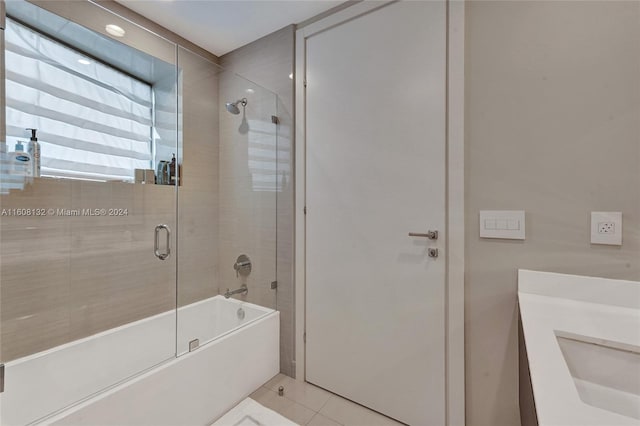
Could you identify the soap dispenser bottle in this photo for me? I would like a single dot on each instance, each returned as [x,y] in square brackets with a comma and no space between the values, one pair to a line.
[33,149]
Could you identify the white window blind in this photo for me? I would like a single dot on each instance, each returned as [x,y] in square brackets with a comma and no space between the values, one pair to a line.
[93,121]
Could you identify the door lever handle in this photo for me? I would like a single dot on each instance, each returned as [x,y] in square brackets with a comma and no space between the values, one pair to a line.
[432,235]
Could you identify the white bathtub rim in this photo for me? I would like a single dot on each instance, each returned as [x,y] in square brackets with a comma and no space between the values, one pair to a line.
[174,312]
[265,312]
[229,300]
[106,392]
[76,342]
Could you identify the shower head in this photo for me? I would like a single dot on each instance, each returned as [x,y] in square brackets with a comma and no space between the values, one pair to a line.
[232,107]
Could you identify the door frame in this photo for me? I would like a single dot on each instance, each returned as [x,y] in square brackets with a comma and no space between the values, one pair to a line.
[454,275]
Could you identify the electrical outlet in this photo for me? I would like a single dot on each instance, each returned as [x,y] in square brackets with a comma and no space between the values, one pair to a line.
[606,228]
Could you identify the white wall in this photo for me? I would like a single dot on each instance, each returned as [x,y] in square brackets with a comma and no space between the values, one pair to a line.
[552,127]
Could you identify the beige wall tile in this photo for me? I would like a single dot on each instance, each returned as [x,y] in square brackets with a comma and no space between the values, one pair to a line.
[64,278]
[198,197]
[247,211]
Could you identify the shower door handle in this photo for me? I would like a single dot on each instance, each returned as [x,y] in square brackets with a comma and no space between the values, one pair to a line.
[165,255]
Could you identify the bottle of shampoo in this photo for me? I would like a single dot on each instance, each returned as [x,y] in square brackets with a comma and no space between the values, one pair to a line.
[162,174]
[3,156]
[33,149]
[172,171]
[4,162]
[20,161]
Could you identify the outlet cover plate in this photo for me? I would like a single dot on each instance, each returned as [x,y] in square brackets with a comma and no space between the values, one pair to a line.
[606,228]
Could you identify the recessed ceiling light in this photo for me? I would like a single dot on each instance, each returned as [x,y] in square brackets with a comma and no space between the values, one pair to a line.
[84,61]
[291,76]
[115,30]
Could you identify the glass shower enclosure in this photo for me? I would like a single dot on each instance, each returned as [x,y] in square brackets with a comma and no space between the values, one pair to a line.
[85,244]
[146,194]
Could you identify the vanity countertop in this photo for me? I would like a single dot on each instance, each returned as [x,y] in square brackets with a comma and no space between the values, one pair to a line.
[603,316]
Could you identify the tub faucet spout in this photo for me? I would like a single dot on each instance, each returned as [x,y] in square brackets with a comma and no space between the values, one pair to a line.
[244,290]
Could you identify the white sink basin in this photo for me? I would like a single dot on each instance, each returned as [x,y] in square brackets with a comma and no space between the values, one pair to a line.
[606,374]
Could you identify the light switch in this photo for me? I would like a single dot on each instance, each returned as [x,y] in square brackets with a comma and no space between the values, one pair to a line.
[606,228]
[506,224]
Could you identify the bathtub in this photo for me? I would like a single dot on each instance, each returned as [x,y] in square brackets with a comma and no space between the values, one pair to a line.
[102,379]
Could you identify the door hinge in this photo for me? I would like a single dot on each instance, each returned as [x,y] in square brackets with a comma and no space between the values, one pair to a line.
[304,337]
[305,210]
[1,378]
[274,285]
[275,119]
[305,83]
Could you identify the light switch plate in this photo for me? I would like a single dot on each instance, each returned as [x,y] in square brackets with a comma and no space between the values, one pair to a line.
[606,228]
[505,224]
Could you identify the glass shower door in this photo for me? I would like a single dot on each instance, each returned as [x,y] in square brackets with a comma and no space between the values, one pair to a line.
[227,203]
[248,188]
[87,242]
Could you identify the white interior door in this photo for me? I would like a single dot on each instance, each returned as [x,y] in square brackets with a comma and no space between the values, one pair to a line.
[375,111]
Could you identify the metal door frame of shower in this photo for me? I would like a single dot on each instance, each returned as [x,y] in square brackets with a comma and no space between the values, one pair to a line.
[454,345]
[3,118]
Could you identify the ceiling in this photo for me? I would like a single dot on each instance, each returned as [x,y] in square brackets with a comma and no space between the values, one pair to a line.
[221,26]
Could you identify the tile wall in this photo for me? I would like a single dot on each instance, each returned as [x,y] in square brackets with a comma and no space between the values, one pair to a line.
[68,277]
[198,232]
[247,188]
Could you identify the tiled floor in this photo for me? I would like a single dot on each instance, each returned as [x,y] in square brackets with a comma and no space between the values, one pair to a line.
[306,404]
[250,412]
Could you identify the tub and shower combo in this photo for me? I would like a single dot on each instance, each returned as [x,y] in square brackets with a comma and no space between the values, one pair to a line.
[237,352]
[157,193]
